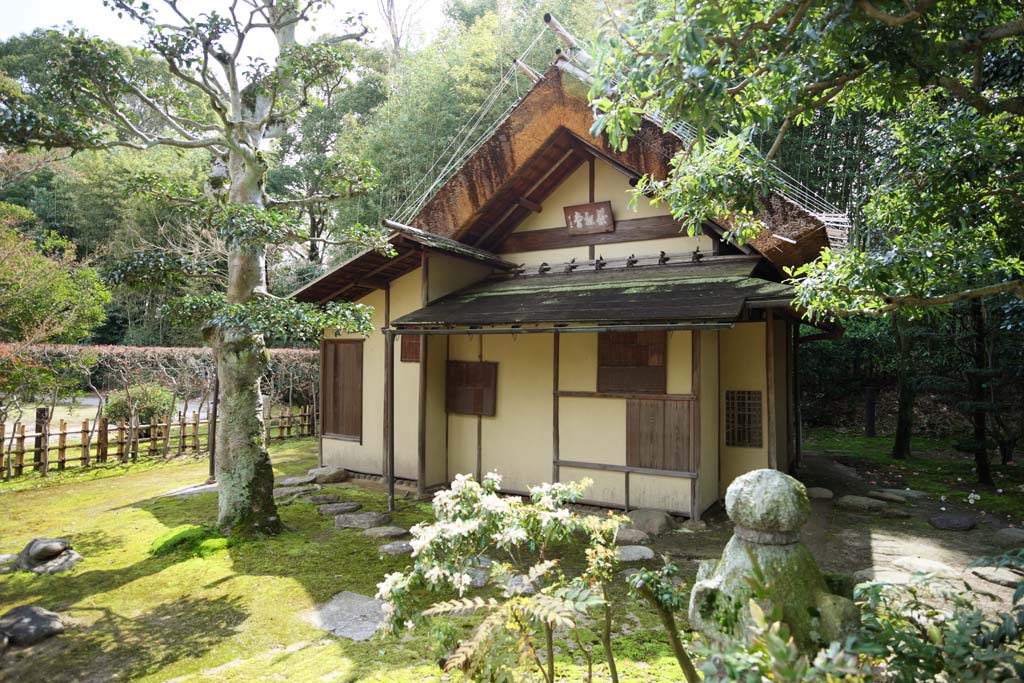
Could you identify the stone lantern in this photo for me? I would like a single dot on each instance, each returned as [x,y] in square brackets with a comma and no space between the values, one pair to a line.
[768,509]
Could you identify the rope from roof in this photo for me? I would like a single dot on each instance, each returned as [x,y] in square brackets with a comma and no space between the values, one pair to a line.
[465,142]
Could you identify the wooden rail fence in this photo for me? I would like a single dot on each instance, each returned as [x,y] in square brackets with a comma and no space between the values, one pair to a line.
[121,442]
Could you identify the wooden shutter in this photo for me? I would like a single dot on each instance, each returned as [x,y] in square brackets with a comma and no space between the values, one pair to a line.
[342,368]
[631,362]
[471,388]
[411,348]
[659,434]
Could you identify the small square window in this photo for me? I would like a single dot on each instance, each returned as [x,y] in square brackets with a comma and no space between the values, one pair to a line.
[411,344]
[743,419]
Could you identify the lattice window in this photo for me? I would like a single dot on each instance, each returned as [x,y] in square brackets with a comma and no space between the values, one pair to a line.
[743,419]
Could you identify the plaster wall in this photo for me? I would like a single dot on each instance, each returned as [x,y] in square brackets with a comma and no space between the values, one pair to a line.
[741,367]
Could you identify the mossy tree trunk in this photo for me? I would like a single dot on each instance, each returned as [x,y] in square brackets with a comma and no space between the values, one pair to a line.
[245,478]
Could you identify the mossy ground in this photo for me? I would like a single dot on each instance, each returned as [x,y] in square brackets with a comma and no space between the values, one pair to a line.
[219,611]
[936,467]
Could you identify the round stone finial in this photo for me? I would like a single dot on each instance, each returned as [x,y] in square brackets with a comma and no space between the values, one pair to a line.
[768,503]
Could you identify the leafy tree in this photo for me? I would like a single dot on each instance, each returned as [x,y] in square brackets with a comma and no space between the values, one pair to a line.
[201,92]
[947,77]
[45,295]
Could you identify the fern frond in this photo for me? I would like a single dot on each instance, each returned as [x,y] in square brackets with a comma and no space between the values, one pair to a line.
[459,606]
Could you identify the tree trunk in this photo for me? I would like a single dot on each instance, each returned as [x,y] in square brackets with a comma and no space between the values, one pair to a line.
[907,390]
[978,412]
[870,405]
[245,480]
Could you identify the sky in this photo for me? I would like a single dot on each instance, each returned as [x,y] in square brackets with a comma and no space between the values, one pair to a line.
[21,16]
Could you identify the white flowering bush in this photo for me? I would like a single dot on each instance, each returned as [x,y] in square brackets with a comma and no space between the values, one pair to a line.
[480,538]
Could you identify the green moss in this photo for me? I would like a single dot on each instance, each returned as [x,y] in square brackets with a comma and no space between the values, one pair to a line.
[184,539]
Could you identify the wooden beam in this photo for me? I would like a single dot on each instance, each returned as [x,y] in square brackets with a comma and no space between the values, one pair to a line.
[629,230]
[527,204]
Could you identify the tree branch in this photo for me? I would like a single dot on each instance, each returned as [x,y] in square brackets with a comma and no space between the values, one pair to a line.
[914,14]
[893,303]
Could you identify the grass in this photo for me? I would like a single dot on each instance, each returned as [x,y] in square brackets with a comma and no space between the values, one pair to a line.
[936,467]
[204,609]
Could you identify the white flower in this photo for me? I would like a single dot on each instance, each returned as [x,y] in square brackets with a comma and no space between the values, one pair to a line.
[387,586]
[494,478]
[510,535]
[435,574]
[461,581]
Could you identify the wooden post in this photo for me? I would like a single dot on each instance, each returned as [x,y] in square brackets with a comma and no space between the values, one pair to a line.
[133,431]
[121,450]
[42,420]
[797,418]
[195,431]
[103,440]
[389,414]
[19,450]
[270,419]
[62,445]
[695,455]
[769,362]
[165,431]
[84,460]
[280,422]
[5,462]
[181,433]
[554,412]
[153,426]
[211,432]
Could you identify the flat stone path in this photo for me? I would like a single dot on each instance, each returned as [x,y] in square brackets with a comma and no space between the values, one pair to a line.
[349,615]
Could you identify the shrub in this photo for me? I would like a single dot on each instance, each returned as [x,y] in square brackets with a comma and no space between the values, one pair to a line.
[150,403]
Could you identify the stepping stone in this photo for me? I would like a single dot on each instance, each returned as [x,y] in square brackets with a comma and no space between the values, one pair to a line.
[350,615]
[361,520]
[859,504]
[953,521]
[396,548]
[332,509]
[300,480]
[329,475]
[386,532]
[882,576]
[29,624]
[819,493]
[627,536]
[907,493]
[1001,576]
[895,513]
[695,525]
[652,522]
[323,498]
[634,553]
[980,586]
[480,577]
[190,491]
[1009,538]
[887,497]
[285,491]
[921,565]
[6,566]
[62,563]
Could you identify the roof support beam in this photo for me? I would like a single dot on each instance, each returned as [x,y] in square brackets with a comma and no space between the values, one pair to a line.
[652,327]
[527,204]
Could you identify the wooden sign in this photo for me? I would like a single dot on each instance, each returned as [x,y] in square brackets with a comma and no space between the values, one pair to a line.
[589,219]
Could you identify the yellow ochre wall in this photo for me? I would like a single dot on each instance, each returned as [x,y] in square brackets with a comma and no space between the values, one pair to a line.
[367,457]
[609,185]
[741,363]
